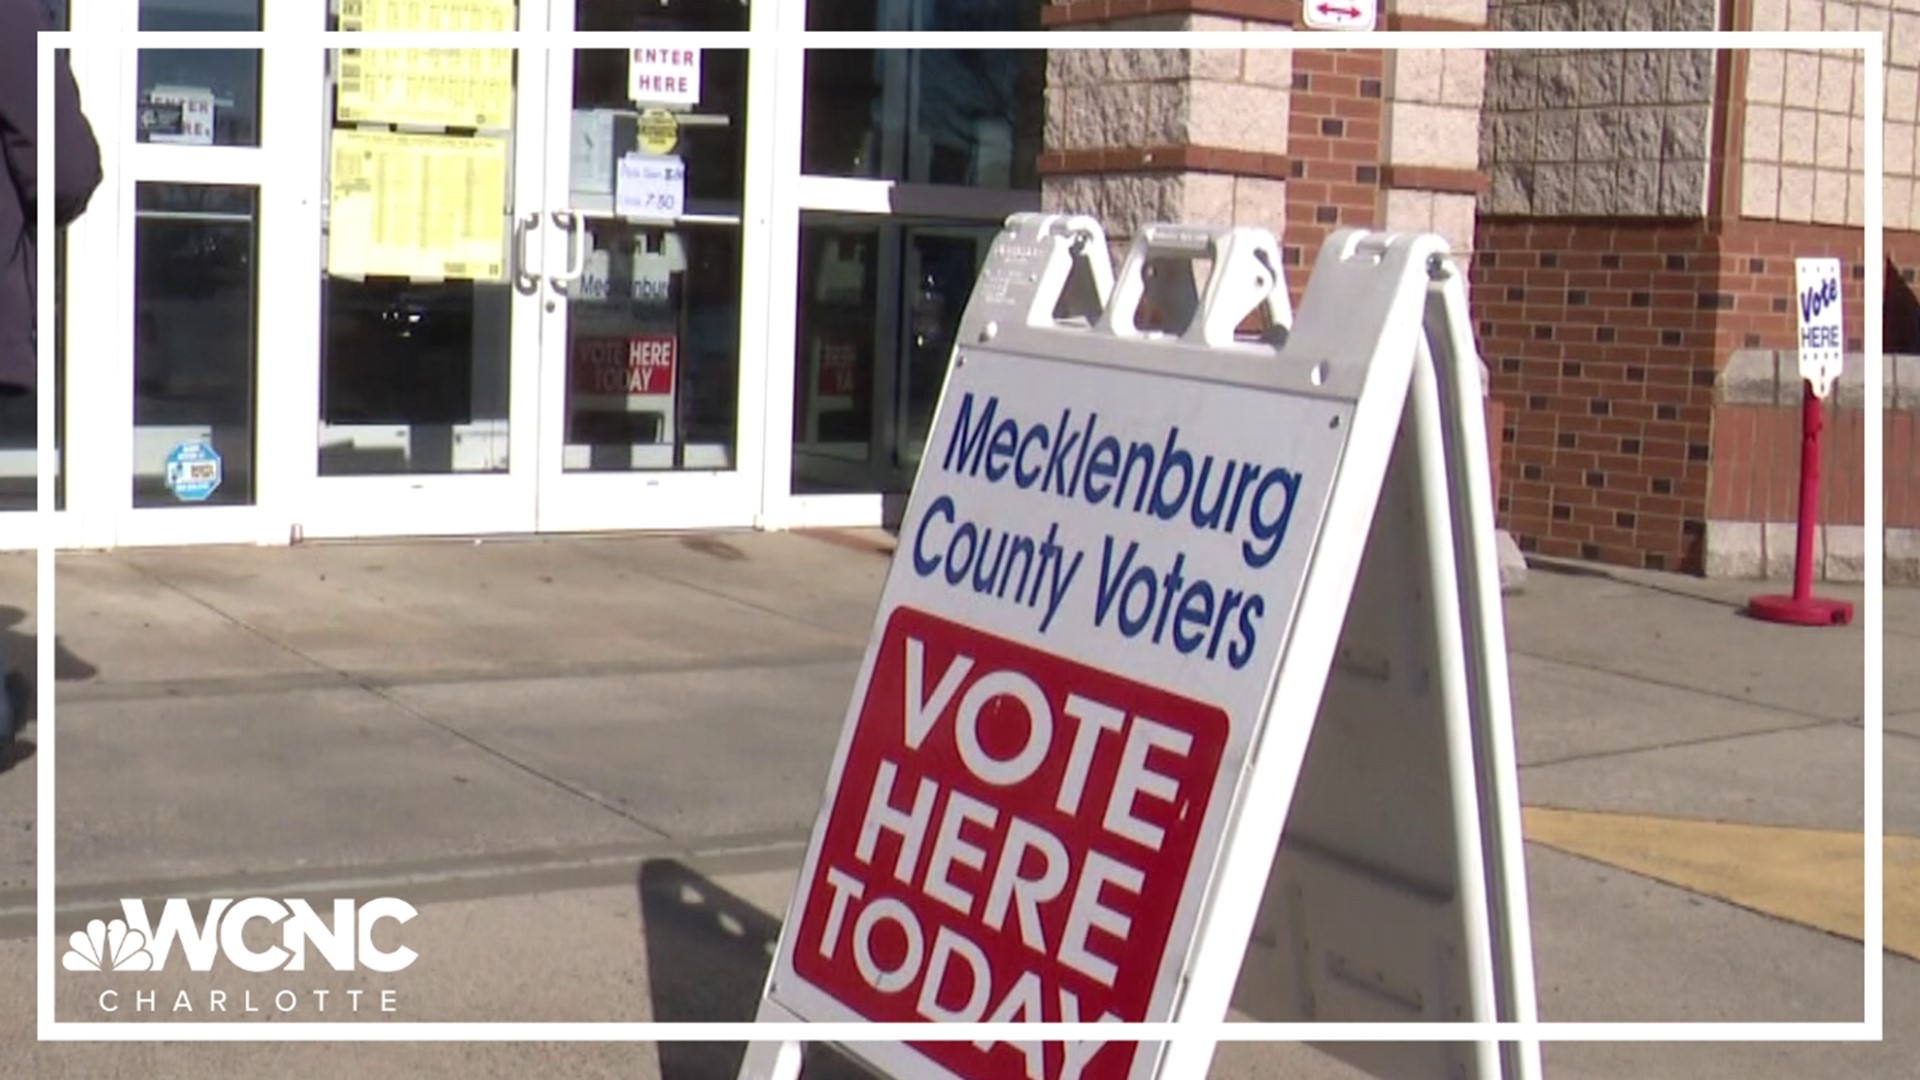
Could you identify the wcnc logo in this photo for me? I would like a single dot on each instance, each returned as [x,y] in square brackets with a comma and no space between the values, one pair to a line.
[137,943]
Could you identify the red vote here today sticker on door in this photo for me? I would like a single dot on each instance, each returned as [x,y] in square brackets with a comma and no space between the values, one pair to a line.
[1008,843]
[636,366]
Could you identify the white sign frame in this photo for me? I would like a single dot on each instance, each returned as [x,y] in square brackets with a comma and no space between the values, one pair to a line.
[1359,344]
[1819,304]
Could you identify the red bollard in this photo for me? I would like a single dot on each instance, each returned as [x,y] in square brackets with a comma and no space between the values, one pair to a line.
[1803,608]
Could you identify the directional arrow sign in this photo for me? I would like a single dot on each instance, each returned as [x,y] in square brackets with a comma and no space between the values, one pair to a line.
[1341,14]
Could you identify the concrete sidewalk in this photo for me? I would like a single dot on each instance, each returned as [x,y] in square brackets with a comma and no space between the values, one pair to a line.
[598,758]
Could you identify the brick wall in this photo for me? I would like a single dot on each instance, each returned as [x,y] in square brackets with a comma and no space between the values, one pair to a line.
[1335,118]
[1753,498]
[1603,357]
[1606,344]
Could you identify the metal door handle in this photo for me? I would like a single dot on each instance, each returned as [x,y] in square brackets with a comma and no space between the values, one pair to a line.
[523,279]
[576,226]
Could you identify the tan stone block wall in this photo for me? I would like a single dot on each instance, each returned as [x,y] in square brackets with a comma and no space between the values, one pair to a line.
[1599,134]
[1434,98]
[1803,147]
[1471,12]
[1134,99]
[1124,202]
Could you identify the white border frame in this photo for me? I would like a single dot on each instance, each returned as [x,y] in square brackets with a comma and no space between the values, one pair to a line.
[1869,1029]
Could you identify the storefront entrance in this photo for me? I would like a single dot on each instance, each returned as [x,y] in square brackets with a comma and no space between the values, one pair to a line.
[423,292]
[368,293]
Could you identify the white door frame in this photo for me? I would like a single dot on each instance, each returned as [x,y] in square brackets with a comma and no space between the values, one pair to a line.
[692,497]
[413,504]
[879,199]
[100,435]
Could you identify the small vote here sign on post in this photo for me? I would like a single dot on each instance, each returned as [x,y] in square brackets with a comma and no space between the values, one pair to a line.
[1822,346]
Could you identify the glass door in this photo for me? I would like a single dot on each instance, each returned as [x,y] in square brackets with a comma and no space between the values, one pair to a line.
[879,307]
[431,226]
[532,272]
[652,353]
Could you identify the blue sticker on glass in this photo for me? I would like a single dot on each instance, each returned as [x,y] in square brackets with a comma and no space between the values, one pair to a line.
[193,471]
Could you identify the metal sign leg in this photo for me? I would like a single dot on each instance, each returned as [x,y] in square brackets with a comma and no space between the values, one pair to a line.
[772,1060]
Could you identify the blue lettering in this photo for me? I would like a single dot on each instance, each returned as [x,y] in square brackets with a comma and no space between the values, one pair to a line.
[1055,478]
[1139,585]
[1268,527]
[1242,651]
[1821,337]
[966,442]
[1111,576]
[1023,475]
[956,562]
[1170,589]
[1103,464]
[921,564]
[1196,614]
[1164,508]
[1006,438]
[1816,299]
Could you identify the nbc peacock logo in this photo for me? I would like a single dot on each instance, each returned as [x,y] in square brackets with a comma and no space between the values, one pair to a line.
[107,946]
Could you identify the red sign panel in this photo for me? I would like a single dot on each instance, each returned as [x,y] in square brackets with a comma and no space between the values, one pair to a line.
[1008,843]
[837,362]
[631,366]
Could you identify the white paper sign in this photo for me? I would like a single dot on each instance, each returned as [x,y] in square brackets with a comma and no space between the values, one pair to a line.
[664,76]
[1822,343]
[648,187]
[1340,14]
[196,115]
[593,151]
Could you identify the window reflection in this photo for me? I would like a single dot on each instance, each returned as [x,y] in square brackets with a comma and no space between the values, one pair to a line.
[195,266]
[653,349]
[878,310]
[653,342]
[962,117]
[199,97]
[933,116]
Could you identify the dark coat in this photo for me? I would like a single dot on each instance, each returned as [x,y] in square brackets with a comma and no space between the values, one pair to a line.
[76,174]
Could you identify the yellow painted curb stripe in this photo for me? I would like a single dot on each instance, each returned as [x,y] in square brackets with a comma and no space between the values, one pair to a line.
[1807,876]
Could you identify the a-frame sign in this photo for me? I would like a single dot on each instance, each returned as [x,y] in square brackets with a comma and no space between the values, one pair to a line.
[1189,674]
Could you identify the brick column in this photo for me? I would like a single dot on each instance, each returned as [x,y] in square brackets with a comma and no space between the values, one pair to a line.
[1430,175]
[1135,136]
[1299,144]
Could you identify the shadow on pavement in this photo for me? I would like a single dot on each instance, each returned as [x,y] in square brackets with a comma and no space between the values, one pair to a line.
[708,953]
[18,652]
